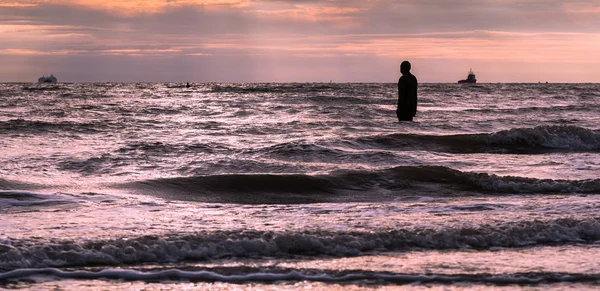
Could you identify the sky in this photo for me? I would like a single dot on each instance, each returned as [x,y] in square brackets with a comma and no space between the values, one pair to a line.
[299,41]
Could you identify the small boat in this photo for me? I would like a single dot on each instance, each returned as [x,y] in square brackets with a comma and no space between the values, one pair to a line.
[470,78]
[44,79]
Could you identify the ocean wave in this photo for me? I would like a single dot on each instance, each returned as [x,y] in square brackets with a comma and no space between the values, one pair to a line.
[36,126]
[320,93]
[172,149]
[379,185]
[44,88]
[12,185]
[106,163]
[537,140]
[529,109]
[256,88]
[548,137]
[247,274]
[343,100]
[135,152]
[298,150]
[289,88]
[202,246]
[11,199]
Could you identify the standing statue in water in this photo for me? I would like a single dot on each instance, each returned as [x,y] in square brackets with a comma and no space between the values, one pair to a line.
[407,94]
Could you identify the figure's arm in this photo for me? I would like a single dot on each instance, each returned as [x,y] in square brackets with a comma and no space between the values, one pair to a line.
[416,97]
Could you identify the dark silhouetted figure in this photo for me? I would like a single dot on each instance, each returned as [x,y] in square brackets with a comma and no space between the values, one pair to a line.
[407,94]
[187,85]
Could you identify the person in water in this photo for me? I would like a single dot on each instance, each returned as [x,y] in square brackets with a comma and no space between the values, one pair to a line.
[407,94]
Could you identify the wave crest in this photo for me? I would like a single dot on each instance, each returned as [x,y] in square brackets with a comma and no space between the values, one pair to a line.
[548,137]
[251,274]
[537,140]
[250,244]
[346,186]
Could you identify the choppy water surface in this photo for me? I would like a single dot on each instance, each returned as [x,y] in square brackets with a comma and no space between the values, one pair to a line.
[297,186]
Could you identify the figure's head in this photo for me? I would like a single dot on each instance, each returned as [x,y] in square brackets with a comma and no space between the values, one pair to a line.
[405,67]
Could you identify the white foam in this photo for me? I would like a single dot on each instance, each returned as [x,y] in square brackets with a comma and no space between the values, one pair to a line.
[554,137]
[519,185]
[209,246]
[175,274]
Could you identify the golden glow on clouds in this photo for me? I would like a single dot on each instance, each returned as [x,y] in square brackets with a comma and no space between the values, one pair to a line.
[26,35]
[481,45]
[285,29]
[527,47]
[129,7]
[24,28]
[474,45]
[16,4]
[30,52]
[309,13]
[140,52]
[19,52]
[132,7]
[340,17]
[114,52]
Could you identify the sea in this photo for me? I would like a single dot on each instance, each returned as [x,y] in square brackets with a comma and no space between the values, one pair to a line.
[299,186]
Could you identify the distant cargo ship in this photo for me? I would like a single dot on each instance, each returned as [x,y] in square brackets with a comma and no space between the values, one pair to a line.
[470,78]
[44,79]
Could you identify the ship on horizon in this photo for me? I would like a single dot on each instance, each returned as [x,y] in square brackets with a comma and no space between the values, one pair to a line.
[470,78]
[51,79]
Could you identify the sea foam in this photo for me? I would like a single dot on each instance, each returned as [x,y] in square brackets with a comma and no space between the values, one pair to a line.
[202,246]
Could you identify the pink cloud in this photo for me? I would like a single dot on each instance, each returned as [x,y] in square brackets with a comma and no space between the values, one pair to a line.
[133,7]
[30,52]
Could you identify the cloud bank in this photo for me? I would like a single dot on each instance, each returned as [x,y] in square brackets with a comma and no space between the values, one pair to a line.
[287,41]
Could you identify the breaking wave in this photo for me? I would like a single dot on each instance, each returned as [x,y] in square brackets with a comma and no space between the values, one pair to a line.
[203,246]
[540,139]
[278,275]
[548,137]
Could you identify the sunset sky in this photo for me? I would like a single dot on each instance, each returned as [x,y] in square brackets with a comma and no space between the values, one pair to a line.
[299,41]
